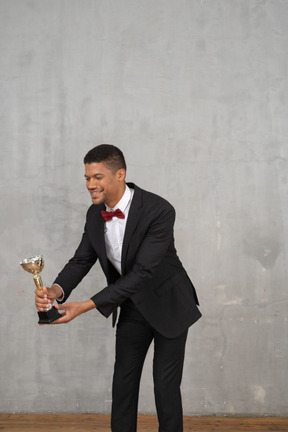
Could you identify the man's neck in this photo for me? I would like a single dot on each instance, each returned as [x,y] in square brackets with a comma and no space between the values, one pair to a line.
[115,202]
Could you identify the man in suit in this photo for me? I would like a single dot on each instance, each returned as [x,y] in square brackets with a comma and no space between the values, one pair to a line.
[130,231]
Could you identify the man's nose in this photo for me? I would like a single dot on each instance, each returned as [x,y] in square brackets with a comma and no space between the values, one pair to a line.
[93,184]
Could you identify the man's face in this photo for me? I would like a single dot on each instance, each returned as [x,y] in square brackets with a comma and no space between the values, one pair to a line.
[103,185]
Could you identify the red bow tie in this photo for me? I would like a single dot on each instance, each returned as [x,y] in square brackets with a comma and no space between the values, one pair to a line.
[109,215]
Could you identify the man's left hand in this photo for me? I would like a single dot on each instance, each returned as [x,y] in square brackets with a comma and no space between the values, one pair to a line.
[71,310]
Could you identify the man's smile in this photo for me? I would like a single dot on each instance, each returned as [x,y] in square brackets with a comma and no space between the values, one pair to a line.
[95,193]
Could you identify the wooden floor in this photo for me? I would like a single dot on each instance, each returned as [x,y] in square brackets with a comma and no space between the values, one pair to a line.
[100,423]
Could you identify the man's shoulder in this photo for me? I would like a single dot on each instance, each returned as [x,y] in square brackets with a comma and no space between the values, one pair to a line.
[150,198]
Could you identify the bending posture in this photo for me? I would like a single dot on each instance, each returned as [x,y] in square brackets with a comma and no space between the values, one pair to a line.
[130,232]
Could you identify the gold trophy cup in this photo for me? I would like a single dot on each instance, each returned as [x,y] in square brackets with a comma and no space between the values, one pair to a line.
[35,265]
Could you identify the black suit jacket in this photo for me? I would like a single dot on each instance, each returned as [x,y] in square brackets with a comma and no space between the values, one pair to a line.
[152,274]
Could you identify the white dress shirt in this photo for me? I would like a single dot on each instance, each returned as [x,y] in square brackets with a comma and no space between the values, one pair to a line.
[115,228]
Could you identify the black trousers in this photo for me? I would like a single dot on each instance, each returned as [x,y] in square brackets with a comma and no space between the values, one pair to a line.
[133,338]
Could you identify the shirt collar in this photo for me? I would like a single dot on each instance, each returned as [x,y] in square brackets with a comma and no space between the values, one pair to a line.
[123,203]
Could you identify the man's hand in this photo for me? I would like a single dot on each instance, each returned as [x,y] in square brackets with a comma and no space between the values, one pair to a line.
[72,310]
[44,299]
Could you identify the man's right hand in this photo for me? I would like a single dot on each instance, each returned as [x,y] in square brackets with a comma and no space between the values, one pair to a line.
[44,299]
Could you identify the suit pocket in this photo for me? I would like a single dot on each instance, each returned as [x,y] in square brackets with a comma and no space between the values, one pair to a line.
[169,284]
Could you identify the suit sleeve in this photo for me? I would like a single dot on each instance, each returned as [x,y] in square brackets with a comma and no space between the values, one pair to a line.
[77,267]
[152,249]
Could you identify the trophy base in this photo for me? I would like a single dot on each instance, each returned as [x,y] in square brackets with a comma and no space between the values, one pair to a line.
[49,316]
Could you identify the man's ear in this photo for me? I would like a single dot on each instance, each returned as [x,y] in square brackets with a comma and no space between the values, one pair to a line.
[121,173]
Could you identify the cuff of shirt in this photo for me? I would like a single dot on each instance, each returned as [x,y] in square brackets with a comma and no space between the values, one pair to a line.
[62,296]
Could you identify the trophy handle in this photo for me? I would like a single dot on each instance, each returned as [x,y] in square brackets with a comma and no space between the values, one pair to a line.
[39,285]
[38,282]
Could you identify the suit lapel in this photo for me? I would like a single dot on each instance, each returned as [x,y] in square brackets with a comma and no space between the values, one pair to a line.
[99,235]
[135,212]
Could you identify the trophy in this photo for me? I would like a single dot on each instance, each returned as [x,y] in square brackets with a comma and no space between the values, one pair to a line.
[35,265]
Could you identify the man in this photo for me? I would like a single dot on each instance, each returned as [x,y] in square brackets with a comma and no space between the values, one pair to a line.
[135,247]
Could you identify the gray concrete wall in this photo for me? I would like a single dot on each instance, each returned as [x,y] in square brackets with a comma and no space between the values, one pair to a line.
[195,94]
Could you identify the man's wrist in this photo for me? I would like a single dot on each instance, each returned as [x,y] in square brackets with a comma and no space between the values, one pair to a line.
[59,293]
[87,305]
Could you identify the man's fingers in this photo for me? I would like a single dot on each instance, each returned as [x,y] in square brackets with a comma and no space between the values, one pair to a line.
[39,293]
[41,301]
[61,320]
[60,307]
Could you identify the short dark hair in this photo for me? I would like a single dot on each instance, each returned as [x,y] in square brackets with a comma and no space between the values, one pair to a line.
[110,155]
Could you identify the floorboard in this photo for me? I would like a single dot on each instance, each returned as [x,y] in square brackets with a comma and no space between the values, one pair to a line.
[101,423]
